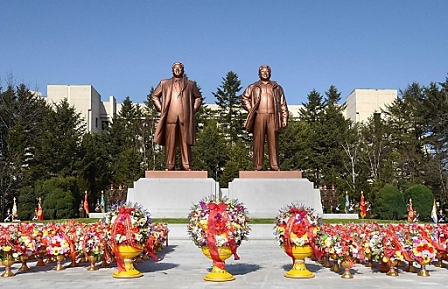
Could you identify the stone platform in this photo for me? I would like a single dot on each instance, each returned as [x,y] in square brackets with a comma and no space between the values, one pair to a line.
[265,192]
[170,194]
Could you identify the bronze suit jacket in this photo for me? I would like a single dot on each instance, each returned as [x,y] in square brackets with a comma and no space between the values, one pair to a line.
[251,99]
[191,101]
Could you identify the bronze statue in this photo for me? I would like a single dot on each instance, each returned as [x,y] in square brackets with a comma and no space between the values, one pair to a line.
[267,115]
[177,99]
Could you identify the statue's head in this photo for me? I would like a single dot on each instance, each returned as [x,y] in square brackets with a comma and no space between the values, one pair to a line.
[264,72]
[178,69]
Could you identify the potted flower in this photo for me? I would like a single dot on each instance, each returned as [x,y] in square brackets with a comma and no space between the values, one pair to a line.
[394,249]
[295,229]
[93,245]
[130,228]
[424,253]
[58,246]
[218,226]
[7,249]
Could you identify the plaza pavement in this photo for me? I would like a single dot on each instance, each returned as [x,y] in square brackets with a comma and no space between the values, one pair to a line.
[182,265]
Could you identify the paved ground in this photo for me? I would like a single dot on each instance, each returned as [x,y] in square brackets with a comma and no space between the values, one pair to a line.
[182,265]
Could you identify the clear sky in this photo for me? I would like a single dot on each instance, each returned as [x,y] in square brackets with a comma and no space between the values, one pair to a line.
[123,48]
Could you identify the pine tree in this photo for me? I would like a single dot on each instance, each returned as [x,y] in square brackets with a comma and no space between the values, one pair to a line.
[210,152]
[230,114]
[125,145]
[21,114]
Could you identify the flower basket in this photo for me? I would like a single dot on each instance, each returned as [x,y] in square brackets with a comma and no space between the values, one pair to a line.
[130,226]
[295,229]
[215,224]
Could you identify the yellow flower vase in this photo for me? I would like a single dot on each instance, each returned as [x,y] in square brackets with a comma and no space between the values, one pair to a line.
[423,272]
[8,262]
[299,270]
[24,259]
[217,274]
[128,253]
[59,266]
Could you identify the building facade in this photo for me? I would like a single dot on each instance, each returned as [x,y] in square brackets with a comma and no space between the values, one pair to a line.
[86,101]
[363,103]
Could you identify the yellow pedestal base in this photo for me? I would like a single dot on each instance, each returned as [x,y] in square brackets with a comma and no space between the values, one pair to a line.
[218,275]
[128,254]
[299,270]
[127,274]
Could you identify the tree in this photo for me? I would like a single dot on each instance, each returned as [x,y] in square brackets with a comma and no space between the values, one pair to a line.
[237,161]
[311,114]
[333,133]
[58,197]
[153,155]
[422,200]
[293,145]
[125,144]
[94,166]
[435,115]
[210,152]
[21,114]
[59,147]
[390,204]
[404,119]
[230,114]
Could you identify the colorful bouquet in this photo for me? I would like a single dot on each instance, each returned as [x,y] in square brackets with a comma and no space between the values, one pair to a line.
[223,222]
[58,245]
[7,240]
[423,251]
[296,225]
[130,224]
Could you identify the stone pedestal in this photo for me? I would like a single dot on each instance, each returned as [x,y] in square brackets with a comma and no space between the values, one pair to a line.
[264,193]
[170,194]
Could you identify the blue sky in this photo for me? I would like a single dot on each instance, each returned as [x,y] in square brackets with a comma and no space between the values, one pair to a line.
[123,48]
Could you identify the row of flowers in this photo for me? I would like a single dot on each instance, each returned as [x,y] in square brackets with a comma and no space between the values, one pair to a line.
[385,243]
[297,225]
[78,240]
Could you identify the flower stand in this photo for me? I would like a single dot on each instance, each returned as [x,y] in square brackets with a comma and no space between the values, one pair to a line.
[299,270]
[127,254]
[218,272]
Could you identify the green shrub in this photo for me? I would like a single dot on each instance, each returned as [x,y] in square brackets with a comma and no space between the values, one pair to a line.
[390,204]
[58,200]
[422,201]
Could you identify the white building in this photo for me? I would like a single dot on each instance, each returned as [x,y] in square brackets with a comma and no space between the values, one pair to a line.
[361,103]
[87,102]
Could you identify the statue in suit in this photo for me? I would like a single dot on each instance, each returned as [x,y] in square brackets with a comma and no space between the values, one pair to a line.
[267,116]
[177,99]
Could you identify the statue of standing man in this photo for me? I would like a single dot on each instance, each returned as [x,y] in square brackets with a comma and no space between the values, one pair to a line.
[267,116]
[177,99]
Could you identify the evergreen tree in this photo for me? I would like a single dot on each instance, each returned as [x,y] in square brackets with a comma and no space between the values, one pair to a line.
[21,114]
[333,133]
[237,161]
[94,167]
[210,152]
[312,114]
[59,147]
[404,117]
[124,138]
[435,116]
[230,114]
[153,154]
[293,145]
